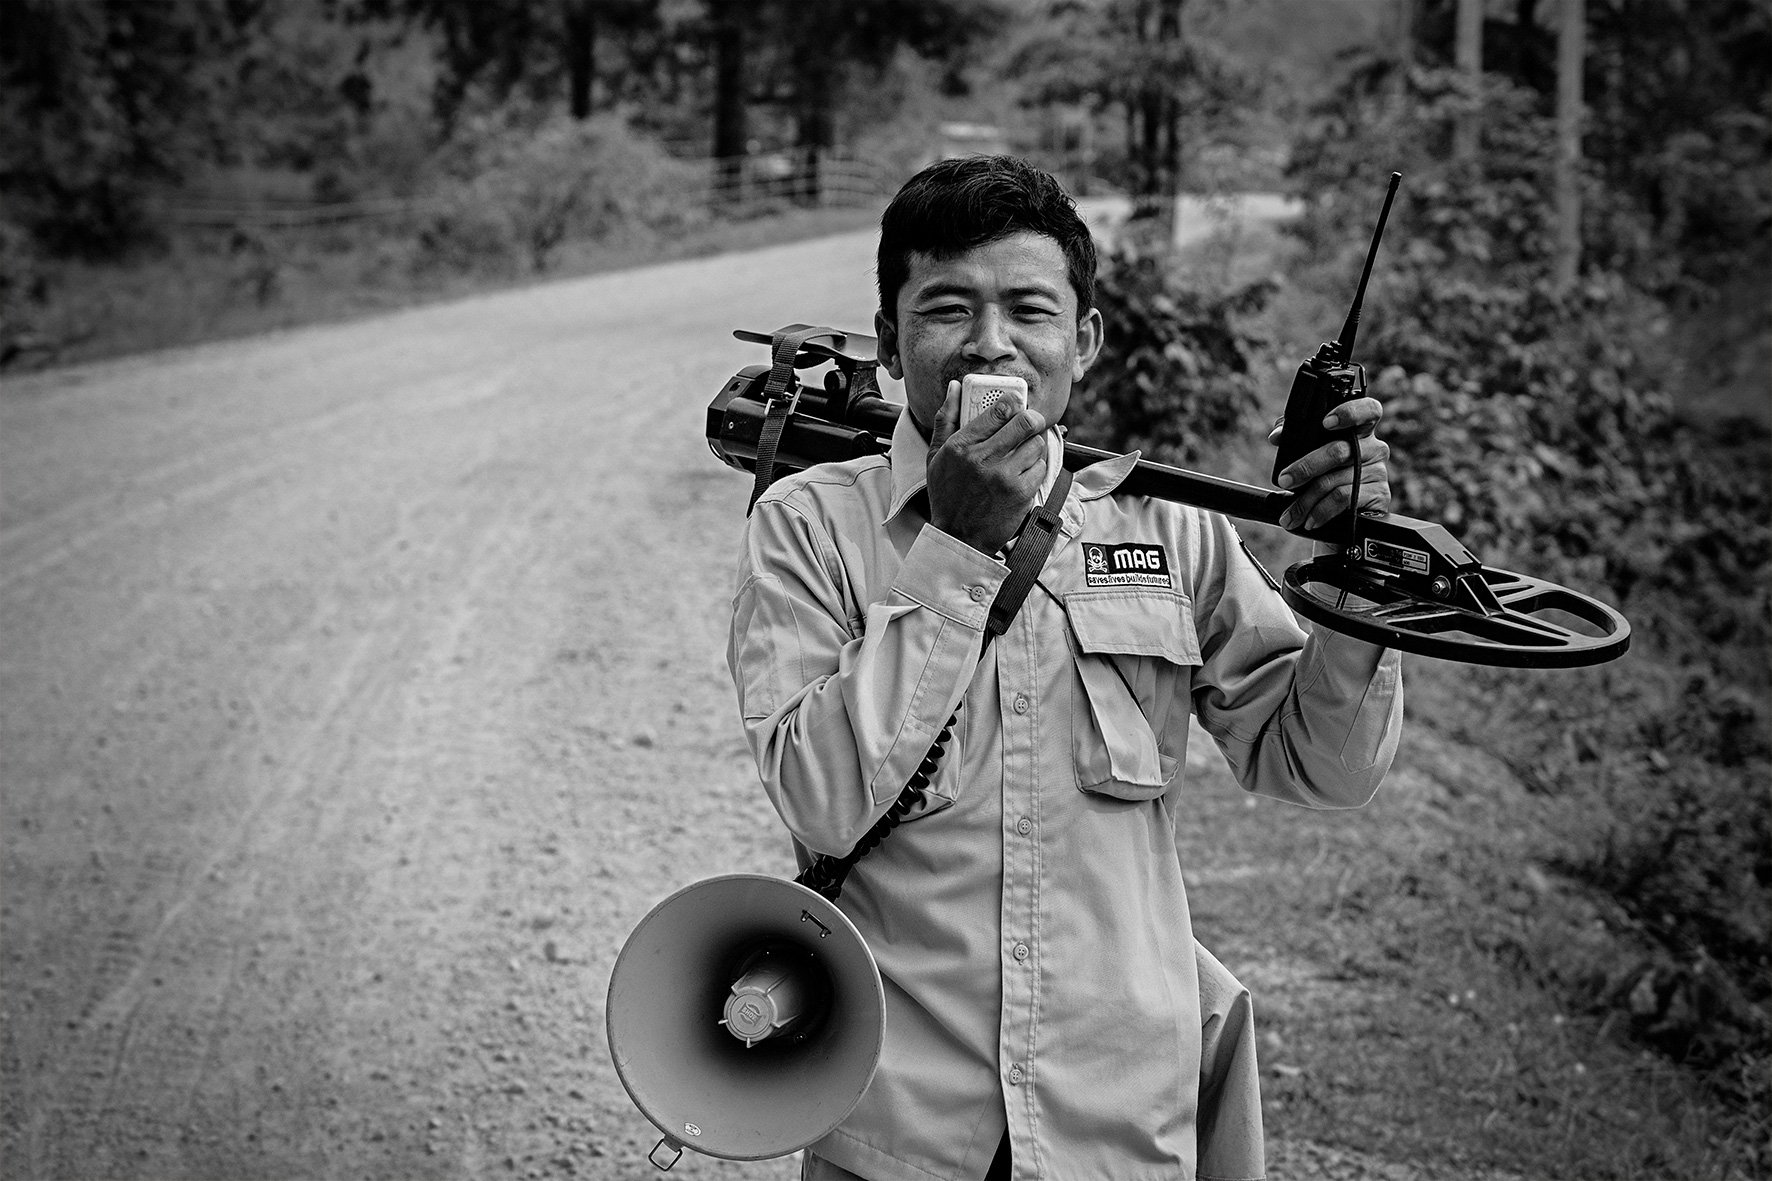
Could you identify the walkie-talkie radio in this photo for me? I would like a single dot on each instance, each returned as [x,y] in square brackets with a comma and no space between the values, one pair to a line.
[1330,377]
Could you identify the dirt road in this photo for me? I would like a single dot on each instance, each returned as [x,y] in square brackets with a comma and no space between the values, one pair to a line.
[362,686]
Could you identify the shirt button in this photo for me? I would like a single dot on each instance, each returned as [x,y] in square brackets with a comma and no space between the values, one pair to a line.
[1020,951]
[1021,703]
[1024,826]
[977,593]
[1015,1075]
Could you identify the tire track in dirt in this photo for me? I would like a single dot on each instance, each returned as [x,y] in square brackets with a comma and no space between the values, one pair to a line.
[184,484]
[161,989]
[133,1046]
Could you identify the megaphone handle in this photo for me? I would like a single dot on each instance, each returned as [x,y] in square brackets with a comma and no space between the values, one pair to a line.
[664,1166]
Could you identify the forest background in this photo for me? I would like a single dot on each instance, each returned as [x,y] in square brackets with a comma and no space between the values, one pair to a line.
[1592,408]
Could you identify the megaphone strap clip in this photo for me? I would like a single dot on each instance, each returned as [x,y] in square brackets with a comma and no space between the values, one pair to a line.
[665,1166]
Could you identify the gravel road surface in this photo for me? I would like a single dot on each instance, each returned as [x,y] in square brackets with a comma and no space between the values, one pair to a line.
[362,687]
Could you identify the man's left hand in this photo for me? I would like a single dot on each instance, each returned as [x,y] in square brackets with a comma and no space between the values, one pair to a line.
[1322,481]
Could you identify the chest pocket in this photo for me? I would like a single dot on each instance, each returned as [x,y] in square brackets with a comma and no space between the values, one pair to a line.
[1135,652]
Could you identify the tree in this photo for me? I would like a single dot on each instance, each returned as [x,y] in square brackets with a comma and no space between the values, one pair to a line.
[1140,58]
[544,50]
[720,57]
[1676,134]
[1405,34]
[579,34]
[1469,54]
[1677,120]
[731,139]
[99,101]
[1570,54]
[1154,129]
[820,42]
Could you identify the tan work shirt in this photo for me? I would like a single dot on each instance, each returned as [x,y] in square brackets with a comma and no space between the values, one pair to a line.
[1030,924]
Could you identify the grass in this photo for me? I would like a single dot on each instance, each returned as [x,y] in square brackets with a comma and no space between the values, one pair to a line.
[207,285]
[1432,990]
[1399,955]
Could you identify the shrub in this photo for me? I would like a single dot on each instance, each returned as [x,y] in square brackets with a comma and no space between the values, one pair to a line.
[1174,379]
[514,192]
[1535,423]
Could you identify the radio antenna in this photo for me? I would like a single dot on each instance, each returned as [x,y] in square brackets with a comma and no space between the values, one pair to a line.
[1346,341]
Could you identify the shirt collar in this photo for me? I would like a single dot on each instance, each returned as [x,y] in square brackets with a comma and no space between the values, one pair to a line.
[909,456]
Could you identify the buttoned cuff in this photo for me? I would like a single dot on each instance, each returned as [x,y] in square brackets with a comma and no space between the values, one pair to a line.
[948,576]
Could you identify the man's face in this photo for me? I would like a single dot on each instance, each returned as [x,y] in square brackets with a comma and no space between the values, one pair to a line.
[1006,307]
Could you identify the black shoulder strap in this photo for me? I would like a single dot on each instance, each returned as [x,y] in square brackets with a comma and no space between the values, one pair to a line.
[1028,557]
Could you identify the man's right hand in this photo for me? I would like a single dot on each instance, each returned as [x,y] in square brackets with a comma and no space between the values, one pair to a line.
[984,477]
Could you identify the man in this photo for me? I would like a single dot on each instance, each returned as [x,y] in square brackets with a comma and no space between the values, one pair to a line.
[1044,995]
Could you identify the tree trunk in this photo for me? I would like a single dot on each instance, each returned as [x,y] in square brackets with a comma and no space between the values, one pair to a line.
[580,24]
[817,131]
[1402,35]
[1571,51]
[1150,120]
[1156,115]
[730,131]
[1132,149]
[1169,163]
[1467,132]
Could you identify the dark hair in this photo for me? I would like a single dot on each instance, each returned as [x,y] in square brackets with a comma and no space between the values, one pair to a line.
[954,206]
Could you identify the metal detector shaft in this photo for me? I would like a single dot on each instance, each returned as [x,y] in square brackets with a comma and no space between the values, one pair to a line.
[830,429]
[1246,502]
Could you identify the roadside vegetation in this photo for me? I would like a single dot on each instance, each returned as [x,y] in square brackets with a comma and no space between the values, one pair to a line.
[1616,869]
[277,163]
[1575,912]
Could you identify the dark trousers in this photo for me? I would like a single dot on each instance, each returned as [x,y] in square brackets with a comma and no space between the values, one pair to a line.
[1000,1166]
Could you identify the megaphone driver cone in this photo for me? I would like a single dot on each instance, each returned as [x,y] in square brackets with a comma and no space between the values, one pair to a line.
[745,1016]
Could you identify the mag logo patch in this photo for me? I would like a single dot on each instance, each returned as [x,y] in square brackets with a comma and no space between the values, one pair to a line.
[1130,563]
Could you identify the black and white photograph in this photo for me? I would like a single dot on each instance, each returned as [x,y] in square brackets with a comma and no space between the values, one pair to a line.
[886,590]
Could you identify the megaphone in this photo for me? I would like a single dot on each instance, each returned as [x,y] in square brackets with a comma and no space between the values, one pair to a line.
[745,1018]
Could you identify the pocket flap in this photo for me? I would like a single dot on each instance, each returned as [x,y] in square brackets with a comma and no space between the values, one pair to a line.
[1118,748]
[1144,621]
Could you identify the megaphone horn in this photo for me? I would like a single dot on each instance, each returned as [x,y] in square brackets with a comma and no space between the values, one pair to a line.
[745,1018]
